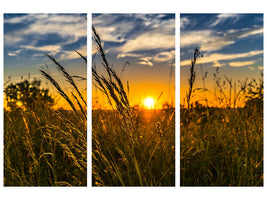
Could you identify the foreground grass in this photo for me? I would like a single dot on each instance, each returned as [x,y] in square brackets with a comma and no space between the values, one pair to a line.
[149,162]
[222,146]
[44,149]
[44,146]
[130,147]
[224,150]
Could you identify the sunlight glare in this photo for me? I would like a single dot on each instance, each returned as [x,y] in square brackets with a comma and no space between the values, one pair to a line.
[149,103]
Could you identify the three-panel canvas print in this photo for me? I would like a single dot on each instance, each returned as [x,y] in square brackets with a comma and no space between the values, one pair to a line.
[136,128]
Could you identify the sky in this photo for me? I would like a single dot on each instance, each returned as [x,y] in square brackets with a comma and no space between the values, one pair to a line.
[147,43]
[233,43]
[28,37]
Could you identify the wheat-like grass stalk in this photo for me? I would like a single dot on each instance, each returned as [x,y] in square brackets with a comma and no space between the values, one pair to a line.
[68,77]
[192,78]
[59,89]
[113,88]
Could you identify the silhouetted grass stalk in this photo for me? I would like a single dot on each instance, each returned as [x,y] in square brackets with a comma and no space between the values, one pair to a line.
[113,88]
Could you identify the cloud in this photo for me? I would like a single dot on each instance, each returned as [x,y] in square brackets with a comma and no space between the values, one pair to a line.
[209,40]
[241,64]
[67,55]
[218,64]
[51,49]
[110,29]
[122,55]
[12,39]
[135,32]
[223,17]
[252,32]
[148,41]
[184,21]
[164,56]
[146,61]
[12,54]
[15,53]
[69,28]
[216,57]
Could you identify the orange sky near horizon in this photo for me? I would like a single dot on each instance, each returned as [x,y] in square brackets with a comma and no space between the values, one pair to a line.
[147,43]
[231,51]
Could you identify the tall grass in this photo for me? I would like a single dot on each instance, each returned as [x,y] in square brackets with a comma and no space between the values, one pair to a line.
[47,147]
[130,147]
[223,144]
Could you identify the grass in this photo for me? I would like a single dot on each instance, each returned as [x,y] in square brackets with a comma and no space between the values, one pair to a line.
[130,146]
[223,145]
[44,146]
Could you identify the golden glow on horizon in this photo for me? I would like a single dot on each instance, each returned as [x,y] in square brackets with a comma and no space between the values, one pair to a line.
[149,103]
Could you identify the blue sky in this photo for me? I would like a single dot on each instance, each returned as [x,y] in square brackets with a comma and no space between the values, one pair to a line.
[147,42]
[232,42]
[28,37]
[148,39]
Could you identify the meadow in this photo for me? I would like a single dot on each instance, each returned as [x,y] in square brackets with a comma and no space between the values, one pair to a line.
[131,146]
[44,146]
[222,145]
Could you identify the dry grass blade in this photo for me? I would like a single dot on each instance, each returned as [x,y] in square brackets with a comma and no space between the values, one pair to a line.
[83,57]
[113,88]
[80,106]
[69,78]
[61,92]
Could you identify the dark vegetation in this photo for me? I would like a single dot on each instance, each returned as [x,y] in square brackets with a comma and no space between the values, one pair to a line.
[223,145]
[44,146]
[130,146]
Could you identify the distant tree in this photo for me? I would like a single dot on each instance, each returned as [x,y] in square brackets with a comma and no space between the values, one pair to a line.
[255,94]
[28,95]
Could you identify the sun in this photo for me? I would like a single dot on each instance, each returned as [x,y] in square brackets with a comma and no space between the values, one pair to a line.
[149,102]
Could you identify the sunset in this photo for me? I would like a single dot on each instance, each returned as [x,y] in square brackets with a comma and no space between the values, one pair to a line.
[45,100]
[231,42]
[29,37]
[221,99]
[149,102]
[140,48]
[133,100]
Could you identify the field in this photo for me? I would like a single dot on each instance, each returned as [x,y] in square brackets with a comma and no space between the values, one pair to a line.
[223,145]
[149,160]
[131,146]
[44,146]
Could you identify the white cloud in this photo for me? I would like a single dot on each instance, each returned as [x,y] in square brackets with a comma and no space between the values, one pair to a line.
[209,40]
[69,27]
[112,33]
[146,61]
[252,32]
[148,41]
[184,21]
[122,55]
[67,55]
[164,56]
[158,33]
[52,49]
[223,17]
[205,39]
[241,63]
[216,57]
[218,64]
[12,54]
[15,53]
[12,39]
